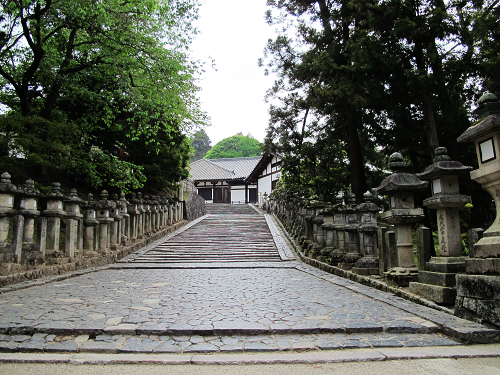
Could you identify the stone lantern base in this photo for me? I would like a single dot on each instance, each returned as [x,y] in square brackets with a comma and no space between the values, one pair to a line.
[367,266]
[478,298]
[437,282]
[401,276]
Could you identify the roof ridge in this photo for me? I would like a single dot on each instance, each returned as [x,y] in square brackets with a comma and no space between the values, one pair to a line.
[242,157]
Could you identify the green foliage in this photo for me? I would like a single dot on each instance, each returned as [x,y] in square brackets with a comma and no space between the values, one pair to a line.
[236,146]
[101,75]
[200,144]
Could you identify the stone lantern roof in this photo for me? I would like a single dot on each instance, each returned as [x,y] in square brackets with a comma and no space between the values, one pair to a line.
[488,105]
[400,181]
[443,165]
[6,185]
[368,205]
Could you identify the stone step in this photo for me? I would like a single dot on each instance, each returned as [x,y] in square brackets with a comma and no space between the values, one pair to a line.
[193,343]
[228,234]
[229,209]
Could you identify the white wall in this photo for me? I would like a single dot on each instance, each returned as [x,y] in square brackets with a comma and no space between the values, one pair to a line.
[237,194]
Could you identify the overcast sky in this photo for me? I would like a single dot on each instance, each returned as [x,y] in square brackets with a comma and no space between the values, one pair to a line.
[234,33]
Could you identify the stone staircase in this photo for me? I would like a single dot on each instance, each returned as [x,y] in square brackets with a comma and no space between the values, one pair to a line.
[230,233]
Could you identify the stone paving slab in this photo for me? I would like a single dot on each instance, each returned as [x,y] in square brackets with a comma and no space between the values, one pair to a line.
[205,301]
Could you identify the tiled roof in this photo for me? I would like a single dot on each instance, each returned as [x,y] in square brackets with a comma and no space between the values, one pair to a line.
[224,169]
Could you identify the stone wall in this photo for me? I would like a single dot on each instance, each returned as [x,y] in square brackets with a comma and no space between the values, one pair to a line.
[194,206]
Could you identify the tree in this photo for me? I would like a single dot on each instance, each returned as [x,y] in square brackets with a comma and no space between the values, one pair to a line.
[201,144]
[236,146]
[113,71]
[379,75]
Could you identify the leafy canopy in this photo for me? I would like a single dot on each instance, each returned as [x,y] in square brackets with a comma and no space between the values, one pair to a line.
[237,146]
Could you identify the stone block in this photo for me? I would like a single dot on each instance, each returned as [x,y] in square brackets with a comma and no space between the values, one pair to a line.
[487,247]
[446,264]
[438,294]
[477,266]
[478,286]
[390,247]
[489,311]
[437,278]
[474,235]
[496,265]
[424,246]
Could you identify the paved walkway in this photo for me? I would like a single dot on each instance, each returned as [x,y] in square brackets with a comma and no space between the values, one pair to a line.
[216,287]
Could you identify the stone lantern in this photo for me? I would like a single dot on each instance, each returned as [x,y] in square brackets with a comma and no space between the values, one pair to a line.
[125,223]
[133,211]
[486,136]
[115,226]
[368,264]
[478,292]
[90,234]
[7,190]
[74,224]
[104,217]
[437,281]
[28,208]
[338,227]
[317,221]
[352,253]
[147,214]
[140,221]
[327,227]
[170,211]
[400,187]
[54,214]
[443,175]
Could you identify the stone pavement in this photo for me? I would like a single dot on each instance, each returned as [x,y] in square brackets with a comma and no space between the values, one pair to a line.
[146,304]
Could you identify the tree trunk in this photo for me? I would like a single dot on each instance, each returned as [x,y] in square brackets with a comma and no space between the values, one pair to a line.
[356,163]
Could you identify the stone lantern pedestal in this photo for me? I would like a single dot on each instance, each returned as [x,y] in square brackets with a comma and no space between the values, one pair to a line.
[54,214]
[91,224]
[399,187]
[28,208]
[74,225]
[478,292]
[437,281]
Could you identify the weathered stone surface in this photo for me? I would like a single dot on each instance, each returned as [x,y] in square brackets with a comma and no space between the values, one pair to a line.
[437,278]
[480,287]
[438,294]
[488,266]
[446,264]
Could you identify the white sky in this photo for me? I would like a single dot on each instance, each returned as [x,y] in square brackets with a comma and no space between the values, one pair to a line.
[234,33]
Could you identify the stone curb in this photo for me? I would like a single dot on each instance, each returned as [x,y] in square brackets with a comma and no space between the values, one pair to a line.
[337,356]
[211,332]
[467,332]
[60,272]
